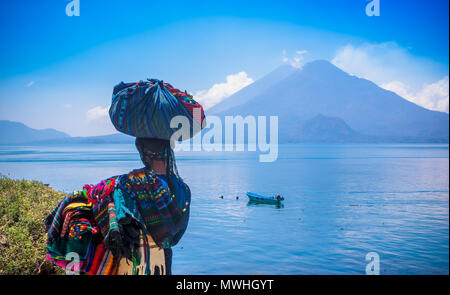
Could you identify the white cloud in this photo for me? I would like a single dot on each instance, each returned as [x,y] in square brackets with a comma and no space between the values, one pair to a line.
[218,92]
[399,88]
[97,113]
[395,69]
[297,59]
[29,84]
[434,96]
[380,63]
[386,62]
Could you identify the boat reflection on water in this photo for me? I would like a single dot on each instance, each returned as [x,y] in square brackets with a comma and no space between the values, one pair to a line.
[261,204]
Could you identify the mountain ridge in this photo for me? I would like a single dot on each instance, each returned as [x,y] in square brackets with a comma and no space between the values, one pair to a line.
[16,133]
[323,129]
[318,103]
[322,88]
[253,89]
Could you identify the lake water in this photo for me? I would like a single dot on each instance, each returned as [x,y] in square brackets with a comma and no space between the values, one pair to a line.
[341,202]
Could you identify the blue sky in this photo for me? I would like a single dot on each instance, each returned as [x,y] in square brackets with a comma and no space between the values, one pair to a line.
[58,71]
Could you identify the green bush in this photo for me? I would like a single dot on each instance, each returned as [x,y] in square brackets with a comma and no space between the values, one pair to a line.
[24,205]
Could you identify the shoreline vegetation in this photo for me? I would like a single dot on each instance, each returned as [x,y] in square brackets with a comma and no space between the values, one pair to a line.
[24,204]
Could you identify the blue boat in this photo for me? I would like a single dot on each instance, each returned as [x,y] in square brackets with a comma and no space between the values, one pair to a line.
[264,199]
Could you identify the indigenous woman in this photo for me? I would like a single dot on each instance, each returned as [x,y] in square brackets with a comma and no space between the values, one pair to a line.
[126,224]
[158,158]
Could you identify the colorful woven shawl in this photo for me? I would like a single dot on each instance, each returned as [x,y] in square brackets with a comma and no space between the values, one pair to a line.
[55,220]
[85,222]
[158,211]
[104,211]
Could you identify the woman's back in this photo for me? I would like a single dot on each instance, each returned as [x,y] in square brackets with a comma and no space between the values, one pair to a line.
[126,223]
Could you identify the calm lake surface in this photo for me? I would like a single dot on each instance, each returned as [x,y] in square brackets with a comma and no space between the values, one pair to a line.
[341,202]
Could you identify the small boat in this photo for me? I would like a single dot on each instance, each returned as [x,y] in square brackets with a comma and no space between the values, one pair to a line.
[264,199]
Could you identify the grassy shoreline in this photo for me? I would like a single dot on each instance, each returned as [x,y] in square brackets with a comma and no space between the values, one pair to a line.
[24,204]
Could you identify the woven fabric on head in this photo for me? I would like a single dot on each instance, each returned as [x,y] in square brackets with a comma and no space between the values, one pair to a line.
[146,109]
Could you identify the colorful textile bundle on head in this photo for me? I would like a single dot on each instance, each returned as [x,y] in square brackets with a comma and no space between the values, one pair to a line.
[108,223]
[146,108]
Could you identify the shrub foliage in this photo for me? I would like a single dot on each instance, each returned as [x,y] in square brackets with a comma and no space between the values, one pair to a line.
[24,205]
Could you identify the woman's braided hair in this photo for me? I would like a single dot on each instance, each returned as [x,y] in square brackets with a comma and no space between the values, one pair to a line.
[157,149]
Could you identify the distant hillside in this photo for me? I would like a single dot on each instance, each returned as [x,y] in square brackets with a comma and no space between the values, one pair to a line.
[318,103]
[321,88]
[321,129]
[112,138]
[16,133]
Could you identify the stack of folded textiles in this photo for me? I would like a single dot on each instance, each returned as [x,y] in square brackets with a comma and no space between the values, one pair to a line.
[106,227]
[84,235]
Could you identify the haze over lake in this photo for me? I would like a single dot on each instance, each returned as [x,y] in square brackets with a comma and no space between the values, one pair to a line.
[341,202]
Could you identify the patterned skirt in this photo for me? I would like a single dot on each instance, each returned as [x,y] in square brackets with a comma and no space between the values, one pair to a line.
[140,265]
[160,261]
